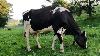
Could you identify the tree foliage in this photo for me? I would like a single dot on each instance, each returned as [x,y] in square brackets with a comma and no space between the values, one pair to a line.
[4,8]
[3,22]
[4,12]
[78,6]
[84,5]
[60,3]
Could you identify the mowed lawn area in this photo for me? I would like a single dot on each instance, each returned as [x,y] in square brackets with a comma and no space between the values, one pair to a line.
[12,42]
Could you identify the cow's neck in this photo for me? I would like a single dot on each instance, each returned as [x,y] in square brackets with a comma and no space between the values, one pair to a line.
[76,31]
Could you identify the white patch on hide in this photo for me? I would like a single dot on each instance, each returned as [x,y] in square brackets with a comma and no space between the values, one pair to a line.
[61,9]
[61,30]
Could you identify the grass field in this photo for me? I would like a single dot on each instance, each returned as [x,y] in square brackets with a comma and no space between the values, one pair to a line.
[12,43]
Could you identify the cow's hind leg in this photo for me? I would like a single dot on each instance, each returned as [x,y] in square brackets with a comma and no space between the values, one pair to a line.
[53,43]
[38,44]
[27,41]
[26,28]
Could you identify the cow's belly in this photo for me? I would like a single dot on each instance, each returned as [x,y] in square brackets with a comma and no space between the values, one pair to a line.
[39,26]
[45,30]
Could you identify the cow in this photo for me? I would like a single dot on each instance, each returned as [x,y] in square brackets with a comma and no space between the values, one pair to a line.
[61,21]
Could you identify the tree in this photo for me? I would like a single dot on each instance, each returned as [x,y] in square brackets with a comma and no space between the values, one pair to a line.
[60,3]
[4,12]
[84,5]
[3,21]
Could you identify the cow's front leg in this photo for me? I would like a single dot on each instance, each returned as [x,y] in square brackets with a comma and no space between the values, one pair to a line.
[61,46]
[53,43]
[61,42]
[59,35]
[37,40]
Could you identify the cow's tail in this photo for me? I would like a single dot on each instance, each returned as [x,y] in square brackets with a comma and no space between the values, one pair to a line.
[26,22]
[26,15]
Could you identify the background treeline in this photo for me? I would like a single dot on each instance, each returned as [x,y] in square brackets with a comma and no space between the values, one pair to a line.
[77,7]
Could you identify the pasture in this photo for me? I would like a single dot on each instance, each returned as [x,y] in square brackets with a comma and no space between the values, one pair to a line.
[12,42]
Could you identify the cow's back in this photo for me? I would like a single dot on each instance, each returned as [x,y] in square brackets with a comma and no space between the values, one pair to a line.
[41,18]
[41,15]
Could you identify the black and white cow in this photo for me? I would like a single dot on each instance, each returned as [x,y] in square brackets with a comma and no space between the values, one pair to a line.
[61,21]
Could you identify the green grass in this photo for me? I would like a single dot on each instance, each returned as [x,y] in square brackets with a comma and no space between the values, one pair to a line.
[12,43]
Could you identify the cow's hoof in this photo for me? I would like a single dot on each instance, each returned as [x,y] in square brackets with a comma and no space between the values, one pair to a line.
[29,50]
[61,50]
[53,49]
[39,47]
[73,43]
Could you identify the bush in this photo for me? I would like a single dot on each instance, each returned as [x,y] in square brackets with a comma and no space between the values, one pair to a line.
[3,22]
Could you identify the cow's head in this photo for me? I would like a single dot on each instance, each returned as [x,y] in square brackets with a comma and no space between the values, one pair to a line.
[81,40]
